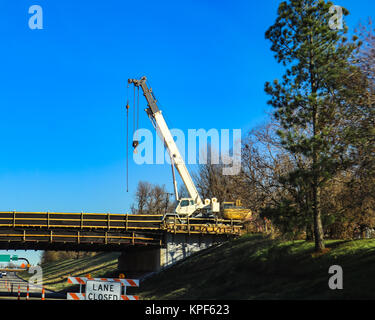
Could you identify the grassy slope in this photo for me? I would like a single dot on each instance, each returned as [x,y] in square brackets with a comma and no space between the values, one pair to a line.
[254,267]
[251,267]
[55,274]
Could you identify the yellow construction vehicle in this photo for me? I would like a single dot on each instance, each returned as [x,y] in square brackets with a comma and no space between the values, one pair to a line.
[235,211]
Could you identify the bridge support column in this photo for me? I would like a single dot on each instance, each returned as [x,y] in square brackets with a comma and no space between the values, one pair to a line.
[180,246]
[176,247]
[139,259]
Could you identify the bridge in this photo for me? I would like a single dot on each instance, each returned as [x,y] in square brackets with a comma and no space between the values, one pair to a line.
[148,242]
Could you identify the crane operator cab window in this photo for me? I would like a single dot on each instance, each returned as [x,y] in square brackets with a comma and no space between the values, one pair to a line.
[184,203]
[185,207]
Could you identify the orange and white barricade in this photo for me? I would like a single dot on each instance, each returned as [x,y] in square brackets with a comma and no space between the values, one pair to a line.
[127,297]
[75,296]
[82,281]
[124,282]
[81,296]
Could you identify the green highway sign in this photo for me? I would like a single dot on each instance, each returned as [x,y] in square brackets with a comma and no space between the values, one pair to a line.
[8,258]
[4,257]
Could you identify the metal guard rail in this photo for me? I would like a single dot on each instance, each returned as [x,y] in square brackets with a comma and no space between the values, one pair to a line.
[120,222]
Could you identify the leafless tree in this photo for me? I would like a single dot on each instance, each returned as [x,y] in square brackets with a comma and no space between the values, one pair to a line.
[151,199]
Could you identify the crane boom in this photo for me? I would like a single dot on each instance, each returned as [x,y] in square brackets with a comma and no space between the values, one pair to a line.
[158,121]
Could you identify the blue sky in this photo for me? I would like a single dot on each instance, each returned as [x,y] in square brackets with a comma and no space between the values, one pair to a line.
[63,89]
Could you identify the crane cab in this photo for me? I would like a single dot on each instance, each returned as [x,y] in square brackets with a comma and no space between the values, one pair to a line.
[185,206]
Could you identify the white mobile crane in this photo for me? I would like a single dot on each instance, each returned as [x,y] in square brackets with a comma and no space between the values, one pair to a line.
[185,206]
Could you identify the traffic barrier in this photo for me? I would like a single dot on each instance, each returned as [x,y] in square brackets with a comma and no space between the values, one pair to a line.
[75,296]
[127,297]
[77,280]
[124,282]
[82,281]
[81,296]
[130,282]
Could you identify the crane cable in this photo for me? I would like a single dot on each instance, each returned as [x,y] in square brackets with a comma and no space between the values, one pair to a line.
[137,111]
[135,128]
[127,139]
[134,112]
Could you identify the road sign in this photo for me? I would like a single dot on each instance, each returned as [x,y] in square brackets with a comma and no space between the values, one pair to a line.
[103,290]
[83,281]
[8,257]
[4,257]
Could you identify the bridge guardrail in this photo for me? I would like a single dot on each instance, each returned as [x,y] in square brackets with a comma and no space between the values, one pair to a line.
[80,220]
[202,225]
[107,221]
[107,229]
[75,237]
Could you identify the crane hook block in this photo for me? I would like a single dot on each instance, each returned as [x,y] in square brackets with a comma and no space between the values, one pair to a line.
[135,144]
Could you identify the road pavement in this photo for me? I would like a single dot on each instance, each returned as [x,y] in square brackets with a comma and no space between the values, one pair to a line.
[11,284]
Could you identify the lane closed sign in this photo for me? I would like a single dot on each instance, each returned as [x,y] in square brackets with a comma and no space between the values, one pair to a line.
[103,290]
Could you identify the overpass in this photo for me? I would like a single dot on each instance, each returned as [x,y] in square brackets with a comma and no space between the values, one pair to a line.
[147,241]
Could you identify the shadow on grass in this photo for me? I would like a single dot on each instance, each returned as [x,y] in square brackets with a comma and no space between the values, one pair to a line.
[255,267]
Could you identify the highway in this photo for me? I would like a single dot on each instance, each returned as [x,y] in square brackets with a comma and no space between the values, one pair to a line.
[10,283]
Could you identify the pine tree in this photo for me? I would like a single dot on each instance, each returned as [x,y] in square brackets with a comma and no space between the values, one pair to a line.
[310,102]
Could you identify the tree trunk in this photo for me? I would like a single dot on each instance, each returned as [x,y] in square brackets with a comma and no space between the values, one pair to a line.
[309,232]
[318,227]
